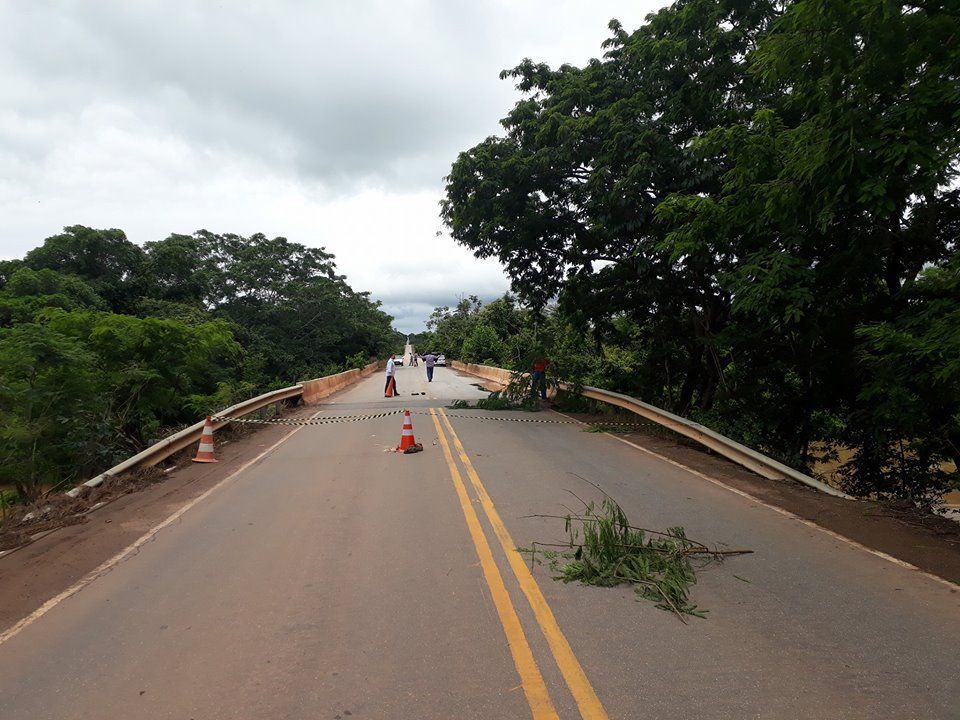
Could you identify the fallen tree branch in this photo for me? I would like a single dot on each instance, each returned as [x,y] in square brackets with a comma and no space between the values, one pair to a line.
[605,550]
[594,518]
[687,551]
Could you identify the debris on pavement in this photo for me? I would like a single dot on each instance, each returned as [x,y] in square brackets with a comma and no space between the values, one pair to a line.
[605,550]
[415,448]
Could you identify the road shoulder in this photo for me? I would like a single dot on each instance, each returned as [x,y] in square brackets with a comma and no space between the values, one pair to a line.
[927,541]
[33,574]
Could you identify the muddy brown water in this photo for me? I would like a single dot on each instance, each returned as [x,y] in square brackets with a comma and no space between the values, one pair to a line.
[828,471]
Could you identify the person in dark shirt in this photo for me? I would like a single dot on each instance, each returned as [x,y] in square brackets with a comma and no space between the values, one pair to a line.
[429,360]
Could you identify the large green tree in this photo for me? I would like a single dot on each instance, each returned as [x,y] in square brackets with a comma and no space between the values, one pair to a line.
[567,200]
[105,346]
[51,411]
[27,291]
[838,192]
[731,195]
[105,259]
[288,306]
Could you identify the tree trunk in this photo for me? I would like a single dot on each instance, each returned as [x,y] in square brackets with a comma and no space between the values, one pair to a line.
[710,384]
[691,379]
[806,401]
[893,272]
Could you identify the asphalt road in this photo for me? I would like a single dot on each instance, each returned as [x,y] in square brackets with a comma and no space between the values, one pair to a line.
[335,580]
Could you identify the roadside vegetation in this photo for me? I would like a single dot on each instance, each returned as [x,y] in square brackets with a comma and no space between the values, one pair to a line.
[106,346]
[747,213]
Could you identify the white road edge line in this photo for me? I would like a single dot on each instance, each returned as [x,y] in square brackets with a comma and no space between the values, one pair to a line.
[108,565]
[786,513]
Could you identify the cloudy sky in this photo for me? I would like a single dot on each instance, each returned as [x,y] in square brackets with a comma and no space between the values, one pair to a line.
[331,123]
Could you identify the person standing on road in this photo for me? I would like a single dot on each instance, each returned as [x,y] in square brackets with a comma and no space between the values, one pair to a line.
[539,376]
[391,376]
[429,360]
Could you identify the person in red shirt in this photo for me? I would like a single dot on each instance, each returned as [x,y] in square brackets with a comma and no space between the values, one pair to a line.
[540,366]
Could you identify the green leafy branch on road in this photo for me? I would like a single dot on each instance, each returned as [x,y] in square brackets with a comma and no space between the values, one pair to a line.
[605,550]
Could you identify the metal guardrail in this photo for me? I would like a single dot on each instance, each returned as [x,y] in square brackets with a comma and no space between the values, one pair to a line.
[720,444]
[186,437]
[732,450]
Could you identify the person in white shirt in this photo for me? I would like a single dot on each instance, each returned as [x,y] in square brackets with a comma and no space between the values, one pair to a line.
[391,375]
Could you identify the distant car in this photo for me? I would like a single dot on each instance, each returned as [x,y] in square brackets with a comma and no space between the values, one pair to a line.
[398,360]
[442,360]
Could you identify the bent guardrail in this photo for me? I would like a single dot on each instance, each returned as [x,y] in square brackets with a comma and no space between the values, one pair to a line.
[722,445]
[309,390]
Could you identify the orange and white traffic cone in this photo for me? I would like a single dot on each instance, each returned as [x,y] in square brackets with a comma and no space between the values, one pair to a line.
[406,439]
[391,388]
[205,449]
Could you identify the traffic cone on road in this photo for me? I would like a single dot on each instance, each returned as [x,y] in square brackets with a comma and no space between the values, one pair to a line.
[391,388]
[406,438]
[205,449]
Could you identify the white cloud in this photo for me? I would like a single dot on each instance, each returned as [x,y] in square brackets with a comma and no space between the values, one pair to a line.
[330,123]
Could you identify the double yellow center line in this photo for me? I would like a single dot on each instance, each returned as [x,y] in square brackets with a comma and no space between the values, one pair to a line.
[534,687]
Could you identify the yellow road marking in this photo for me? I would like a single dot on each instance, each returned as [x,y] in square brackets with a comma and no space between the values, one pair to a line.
[590,706]
[532,681]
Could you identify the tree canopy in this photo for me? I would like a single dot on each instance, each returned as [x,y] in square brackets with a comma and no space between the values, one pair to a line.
[755,198]
[105,346]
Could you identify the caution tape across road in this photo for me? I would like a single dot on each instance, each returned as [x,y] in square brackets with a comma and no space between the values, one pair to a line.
[509,419]
[330,420]
[497,418]
[337,419]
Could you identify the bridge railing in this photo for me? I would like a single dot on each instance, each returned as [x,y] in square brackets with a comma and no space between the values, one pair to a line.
[722,445]
[309,390]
